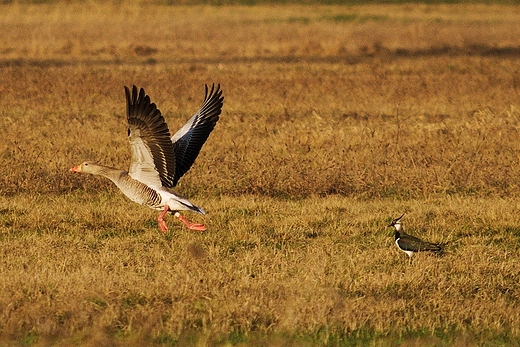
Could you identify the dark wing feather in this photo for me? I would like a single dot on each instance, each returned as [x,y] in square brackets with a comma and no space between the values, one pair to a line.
[152,149]
[188,140]
[414,244]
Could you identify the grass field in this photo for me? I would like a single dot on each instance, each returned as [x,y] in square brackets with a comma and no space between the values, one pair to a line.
[336,119]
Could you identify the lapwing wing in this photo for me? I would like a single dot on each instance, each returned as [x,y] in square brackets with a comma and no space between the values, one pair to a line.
[411,244]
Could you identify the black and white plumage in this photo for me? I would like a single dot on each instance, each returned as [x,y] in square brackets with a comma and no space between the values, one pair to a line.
[159,160]
[411,244]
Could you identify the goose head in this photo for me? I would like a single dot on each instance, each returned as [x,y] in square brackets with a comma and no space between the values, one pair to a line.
[88,167]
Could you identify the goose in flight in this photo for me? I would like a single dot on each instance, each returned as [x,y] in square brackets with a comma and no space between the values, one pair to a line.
[411,244]
[158,160]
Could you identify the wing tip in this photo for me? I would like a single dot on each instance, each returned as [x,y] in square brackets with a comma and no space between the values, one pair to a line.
[214,93]
[136,94]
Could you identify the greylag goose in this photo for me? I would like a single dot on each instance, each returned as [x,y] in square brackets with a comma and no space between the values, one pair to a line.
[158,160]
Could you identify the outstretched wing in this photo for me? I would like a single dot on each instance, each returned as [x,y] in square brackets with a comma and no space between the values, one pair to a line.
[189,139]
[153,157]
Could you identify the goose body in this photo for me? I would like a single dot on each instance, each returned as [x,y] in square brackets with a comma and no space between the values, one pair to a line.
[411,244]
[158,159]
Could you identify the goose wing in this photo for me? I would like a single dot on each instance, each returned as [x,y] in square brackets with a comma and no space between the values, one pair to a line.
[188,140]
[153,157]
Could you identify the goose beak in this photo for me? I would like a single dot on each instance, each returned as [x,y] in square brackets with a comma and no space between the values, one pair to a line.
[75,168]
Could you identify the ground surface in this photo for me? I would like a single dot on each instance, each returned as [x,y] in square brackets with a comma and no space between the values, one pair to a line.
[336,120]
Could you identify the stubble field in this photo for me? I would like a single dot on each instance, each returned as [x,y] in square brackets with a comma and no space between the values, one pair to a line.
[336,119]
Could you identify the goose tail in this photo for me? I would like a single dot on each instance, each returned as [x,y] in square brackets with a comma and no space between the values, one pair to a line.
[198,210]
[182,204]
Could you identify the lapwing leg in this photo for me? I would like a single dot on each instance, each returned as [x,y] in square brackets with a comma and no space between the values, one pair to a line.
[191,226]
[160,219]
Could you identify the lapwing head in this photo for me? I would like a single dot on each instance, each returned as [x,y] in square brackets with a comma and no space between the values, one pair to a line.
[396,223]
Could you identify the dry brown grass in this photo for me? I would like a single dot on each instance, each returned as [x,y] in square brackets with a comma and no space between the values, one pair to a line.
[335,121]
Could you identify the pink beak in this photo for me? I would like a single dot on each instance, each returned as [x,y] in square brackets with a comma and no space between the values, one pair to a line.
[75,168]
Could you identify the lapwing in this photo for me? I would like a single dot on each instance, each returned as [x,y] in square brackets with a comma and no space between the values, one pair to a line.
[411,244]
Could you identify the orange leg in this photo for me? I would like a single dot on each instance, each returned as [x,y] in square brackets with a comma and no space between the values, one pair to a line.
[160,219]
[191,226]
